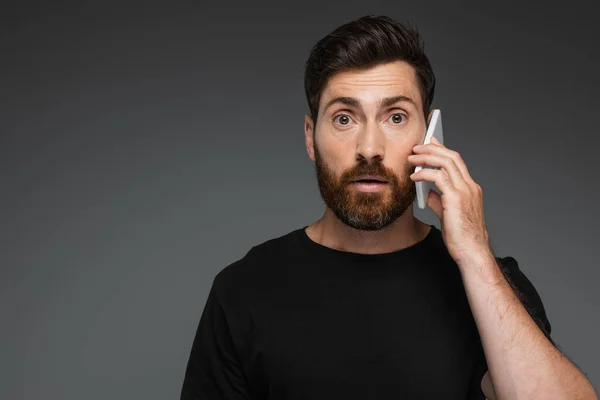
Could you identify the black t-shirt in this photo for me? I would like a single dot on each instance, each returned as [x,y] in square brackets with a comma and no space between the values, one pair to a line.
[294,319]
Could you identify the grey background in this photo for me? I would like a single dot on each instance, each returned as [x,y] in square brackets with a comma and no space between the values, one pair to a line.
[145,148]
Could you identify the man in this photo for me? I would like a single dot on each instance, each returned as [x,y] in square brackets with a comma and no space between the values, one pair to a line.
[368,302]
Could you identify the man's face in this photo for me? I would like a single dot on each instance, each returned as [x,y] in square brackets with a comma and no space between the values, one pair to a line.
[367,138]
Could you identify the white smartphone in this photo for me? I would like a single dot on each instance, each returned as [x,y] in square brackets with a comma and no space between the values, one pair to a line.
[434,129]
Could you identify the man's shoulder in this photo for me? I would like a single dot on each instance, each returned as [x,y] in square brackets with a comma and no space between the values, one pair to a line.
[526,291]
[507,262]
[258,262]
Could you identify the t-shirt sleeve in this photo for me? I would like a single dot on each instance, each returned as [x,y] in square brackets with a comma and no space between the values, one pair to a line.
[527,294]
[213,371]
[533,304]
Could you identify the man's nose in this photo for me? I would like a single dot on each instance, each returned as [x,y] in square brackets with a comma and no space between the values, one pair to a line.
[370,144]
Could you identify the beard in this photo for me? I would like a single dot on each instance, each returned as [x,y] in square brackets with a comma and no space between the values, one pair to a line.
[366,211]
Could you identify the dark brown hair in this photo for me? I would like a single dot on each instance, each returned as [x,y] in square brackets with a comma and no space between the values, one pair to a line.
[364,43]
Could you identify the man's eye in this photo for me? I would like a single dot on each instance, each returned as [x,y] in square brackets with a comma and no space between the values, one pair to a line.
[343,119]
[397,120]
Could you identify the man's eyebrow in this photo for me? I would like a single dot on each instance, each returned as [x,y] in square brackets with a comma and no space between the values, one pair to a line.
[385,102]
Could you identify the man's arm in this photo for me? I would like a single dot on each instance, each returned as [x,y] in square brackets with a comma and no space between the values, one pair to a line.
[522,362]
[213,370]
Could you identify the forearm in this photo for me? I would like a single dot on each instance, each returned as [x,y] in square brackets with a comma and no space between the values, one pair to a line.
[522,362]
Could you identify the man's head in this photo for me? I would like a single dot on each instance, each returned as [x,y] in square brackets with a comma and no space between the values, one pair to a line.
[361,64]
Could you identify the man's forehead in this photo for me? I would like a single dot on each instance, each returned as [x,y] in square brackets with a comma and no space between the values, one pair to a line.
[374,84]
[398,72]
[381,98]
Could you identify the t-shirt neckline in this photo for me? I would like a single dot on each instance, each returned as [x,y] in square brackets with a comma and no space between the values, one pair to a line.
[332,253]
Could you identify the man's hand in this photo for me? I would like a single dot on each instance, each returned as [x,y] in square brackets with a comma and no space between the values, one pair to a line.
[522,362]
[460,205]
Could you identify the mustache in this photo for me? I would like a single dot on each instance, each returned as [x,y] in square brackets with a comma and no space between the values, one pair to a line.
[369,169]
[376,169]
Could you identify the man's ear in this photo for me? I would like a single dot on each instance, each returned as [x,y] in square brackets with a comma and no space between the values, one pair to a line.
[309,136]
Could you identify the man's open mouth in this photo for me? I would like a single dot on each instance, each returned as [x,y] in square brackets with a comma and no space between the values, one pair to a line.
[370,179]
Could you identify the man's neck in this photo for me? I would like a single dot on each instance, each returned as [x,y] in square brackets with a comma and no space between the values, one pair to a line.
[406,231]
